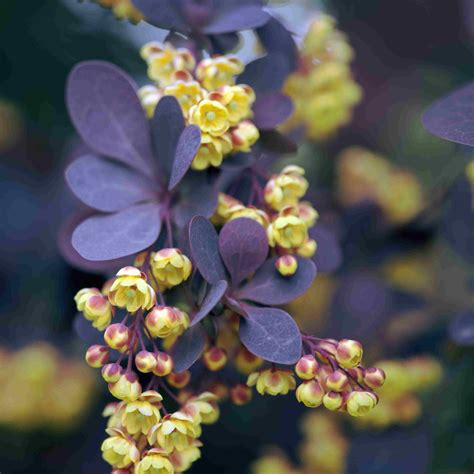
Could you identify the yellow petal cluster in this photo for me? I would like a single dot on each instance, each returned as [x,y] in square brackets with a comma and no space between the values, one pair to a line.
[170,267]
[272,381]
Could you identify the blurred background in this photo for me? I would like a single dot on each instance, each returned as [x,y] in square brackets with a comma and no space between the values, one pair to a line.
[404,281]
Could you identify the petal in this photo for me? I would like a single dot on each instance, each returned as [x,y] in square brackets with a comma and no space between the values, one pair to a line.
[269,287]
[212,298]
[111,236]
[271,110]
[237,18]
[188,348]
[243,245]
[271,334]
[105,109]
[328,256]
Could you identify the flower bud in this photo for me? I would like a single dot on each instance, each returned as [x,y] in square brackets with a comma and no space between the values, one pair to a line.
[307,213]
[360,403]
[145,361]
[337,381]
[219,389]
[286,188]
[310,393]
[357,373]
[164,364]
[164,321]
[307,249]
[170,267]
[179,380]
[240,394]
[306,368]
[272,381]
[374,377]
[117,336]
[97,309]
[244,136]
[286,265]
[97,356]
[246,362]
[333,400]
[214,358]
[111,372]
[126,388]
[349,353]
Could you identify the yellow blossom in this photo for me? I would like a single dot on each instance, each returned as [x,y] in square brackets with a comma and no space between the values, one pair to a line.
[126,388]
[218,71]
[155,461]
[95,307]
[210,116]
[286,188]
[287,231]
[224,204]
[244,136]
[149,97]
[188,93]
[118,450]
[182,460]
[250,212]
[238,101]
[272,381]
[175,432]
[170,267]
[211,151]
[360,403]
[141,415]
[165,321]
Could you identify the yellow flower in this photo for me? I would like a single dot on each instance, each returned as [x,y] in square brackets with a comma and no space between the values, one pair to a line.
[224,204]
[188,93]
[170,267]
[307,213]
[210,116]
[164,321]
[155,461]
[122,9]
[175,432]
[95,307]
[287,231]
[349,353]
[286,188]
[272,381]
[251,212]
[310,393]
[118,450]
[244,136]
[360,403]
[246,362]
[131,291]
[286,265]
[238,101]
[149,97]
[182,460]
[308,249]
[126,388]
[218,71]
[202,409]
[142,414]
[211,151]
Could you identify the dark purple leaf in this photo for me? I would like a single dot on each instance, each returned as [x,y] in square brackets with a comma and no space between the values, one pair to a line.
[212,298]
[86,331]
[105,109]
[271,110]
[188,348]
[243,245]
[221,44]
[106,185]
[452,117]
[188,145]
[461,329]
[237,18]
[271,334]
[162,13]
[203,240]
[328,256]
[167,126]
[111,236]
[270,288]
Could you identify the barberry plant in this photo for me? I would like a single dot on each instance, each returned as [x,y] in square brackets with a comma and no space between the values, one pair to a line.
[206,244]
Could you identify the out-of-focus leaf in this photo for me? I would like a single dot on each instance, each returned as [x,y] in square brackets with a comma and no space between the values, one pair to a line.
[106,185]
[461,330]
[237,18]
[105,109]
[86,331]
[328,256]
[212,298]
[111,236]
[204,244]
[271,110]
[188,145]
[268,287]
[272,334]
[188,348]
[452,117]
[274,141]
[243,246]
[221,44]
[162,13]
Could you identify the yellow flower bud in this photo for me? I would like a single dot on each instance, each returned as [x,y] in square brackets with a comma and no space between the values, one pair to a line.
[307,367]
[211,151]
[118,336]
[210,116]
[244,136]
[145,361]
[170,267]
[374,377]
[175,432]
[286,265]
[337,381]
[224,204]
[155,461]
[126,388]
[218,71]
[142,414]
[214,358]
[97,356]
[164,364]
[333,400]
[360,403]
[250,212]
[131,291]
[286,188]
[349,353]
[287,231]
[246,362]
[308,249]
[272,381]
[111,372]
[307,213]
[310,393]
[240,394]
[119,451]
[164,321]
[179,380]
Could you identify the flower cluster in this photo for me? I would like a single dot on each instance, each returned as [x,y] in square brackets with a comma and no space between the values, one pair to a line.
[322,88]
[209,98]
[122,9]
[42,389]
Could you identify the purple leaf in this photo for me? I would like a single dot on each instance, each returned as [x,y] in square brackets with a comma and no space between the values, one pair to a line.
[106,185]
[237,18]
[162,13]
[188,145]
[452,117]
[104,107]
[243,245]
[270,288]
[328,256]
[205,250]
[221,44]
[461,329]
[271,110]
[271,334]
[110,236]
[188,348]
[167,126]
[212,298]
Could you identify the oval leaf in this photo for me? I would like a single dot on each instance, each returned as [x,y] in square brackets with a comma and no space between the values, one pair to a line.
[271,334]
[188,348]
[212,298]
[269,287]
[162,13]
[105,109]
[461,329]
[328,256]
[243,245]
[237,18]
[188,146]
[203,241]
[110,236]
[106,185]
[271,110]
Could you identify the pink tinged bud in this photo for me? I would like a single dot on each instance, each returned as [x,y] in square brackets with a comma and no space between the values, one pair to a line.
[215,358]
[337,381]
[333,400]
[161,321]
[374,377]
[307,367]
[179,380]
[219,389]
[145,361]
[127,387]
[240,394]
[97,356]
[349,353]
[310,393]
[360,403]
[111,372]
[117,336]
[286,265]
[357,373]
[164,364]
